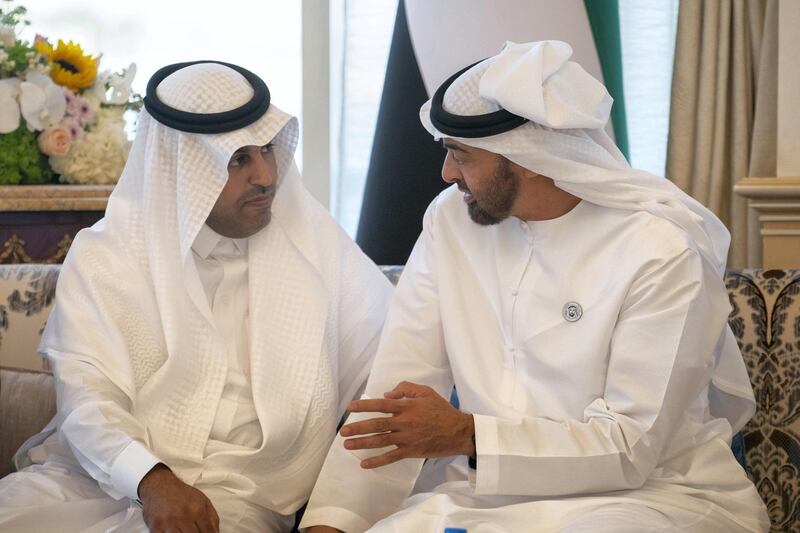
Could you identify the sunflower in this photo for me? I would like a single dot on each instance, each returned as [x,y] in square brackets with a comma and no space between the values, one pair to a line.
[71,67]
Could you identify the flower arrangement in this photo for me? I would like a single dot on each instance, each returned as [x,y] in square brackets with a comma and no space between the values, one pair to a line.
[60,119]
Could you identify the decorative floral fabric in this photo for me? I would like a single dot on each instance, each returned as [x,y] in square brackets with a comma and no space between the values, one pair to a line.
[766,322]
[26,298]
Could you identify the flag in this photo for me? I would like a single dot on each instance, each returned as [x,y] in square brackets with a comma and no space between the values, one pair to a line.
[432,39]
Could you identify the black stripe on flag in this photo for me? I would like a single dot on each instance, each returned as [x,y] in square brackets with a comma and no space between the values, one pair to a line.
[405,165]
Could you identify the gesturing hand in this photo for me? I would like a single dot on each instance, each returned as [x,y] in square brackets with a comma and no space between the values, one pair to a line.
[423,424]
[169,504]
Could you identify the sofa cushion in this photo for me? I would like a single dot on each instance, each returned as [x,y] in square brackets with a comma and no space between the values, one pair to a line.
[27,403]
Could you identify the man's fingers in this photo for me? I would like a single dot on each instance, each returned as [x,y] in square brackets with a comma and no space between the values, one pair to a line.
[375,406]
[407,389]
[367,427]
[375,441]
[383,460]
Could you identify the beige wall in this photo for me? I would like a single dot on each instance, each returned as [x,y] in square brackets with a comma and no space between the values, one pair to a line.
[789,88]
[774,202]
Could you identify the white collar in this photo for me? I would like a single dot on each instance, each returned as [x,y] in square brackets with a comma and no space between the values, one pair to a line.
[208,240]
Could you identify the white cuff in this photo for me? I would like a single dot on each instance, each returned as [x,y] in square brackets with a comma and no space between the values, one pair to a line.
[487,450]
[130,467]
[335,517]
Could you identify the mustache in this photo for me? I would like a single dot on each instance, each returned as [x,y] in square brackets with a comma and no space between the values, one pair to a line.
[257,192]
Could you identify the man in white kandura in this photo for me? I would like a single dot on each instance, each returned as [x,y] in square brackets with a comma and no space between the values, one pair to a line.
[208,332]
[578,307]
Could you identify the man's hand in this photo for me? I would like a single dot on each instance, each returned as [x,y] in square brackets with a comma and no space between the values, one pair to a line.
[423,424]
[169,504]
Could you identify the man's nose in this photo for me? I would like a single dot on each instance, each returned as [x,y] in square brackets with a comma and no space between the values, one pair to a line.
[262,172]
[450,171]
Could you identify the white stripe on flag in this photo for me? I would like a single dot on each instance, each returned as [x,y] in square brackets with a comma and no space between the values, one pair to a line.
[449,34]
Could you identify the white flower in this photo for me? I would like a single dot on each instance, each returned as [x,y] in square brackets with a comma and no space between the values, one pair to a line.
[99,87]
[113,88]
[8,37]
[9,107]
[93,101]
[99,157]
[42,102]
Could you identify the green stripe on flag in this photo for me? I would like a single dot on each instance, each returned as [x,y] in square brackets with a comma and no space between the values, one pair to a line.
[604,20]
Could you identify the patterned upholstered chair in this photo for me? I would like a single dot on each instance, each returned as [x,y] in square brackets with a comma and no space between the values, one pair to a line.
[765,319]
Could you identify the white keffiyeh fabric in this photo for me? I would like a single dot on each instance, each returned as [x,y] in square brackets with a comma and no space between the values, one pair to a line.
[565,140]
[130,301]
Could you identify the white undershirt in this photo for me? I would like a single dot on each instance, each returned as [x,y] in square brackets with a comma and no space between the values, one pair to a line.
[222,267]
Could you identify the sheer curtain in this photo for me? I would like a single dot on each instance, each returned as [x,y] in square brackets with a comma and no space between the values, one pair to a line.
[648,46]
[362,34]
[362,31]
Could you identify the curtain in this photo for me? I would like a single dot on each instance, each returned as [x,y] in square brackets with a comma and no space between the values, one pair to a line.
[723,115]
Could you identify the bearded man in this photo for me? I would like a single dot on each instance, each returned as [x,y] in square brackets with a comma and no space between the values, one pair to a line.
[578,307]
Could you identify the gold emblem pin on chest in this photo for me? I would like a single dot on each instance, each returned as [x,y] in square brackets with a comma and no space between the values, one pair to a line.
[572,311]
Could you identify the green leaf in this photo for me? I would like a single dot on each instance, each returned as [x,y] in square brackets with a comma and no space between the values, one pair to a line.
[21,162]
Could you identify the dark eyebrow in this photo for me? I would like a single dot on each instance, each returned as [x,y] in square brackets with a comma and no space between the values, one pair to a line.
[245,149]
[452,146]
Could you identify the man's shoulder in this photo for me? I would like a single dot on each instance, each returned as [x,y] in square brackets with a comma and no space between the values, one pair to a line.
[661,237]
[640,229]
[95,256]
[641,234]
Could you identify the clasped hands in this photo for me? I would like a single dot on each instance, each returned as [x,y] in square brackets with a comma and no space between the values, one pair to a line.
[422,424]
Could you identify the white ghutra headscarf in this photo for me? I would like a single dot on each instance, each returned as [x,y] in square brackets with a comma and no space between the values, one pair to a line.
[130,301]
[562,112]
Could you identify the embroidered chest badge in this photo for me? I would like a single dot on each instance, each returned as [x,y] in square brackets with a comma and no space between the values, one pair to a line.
[572,311]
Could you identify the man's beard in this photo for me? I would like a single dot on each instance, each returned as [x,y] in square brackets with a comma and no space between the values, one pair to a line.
[497,198]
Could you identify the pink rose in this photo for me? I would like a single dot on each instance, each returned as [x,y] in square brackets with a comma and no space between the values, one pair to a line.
[55,141]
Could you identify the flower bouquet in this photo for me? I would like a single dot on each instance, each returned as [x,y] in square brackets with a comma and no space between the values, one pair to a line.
[60,120]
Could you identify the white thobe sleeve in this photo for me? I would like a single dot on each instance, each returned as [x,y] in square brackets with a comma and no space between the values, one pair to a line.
[412,349]
[96,420]
[660,361]
[365,296]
